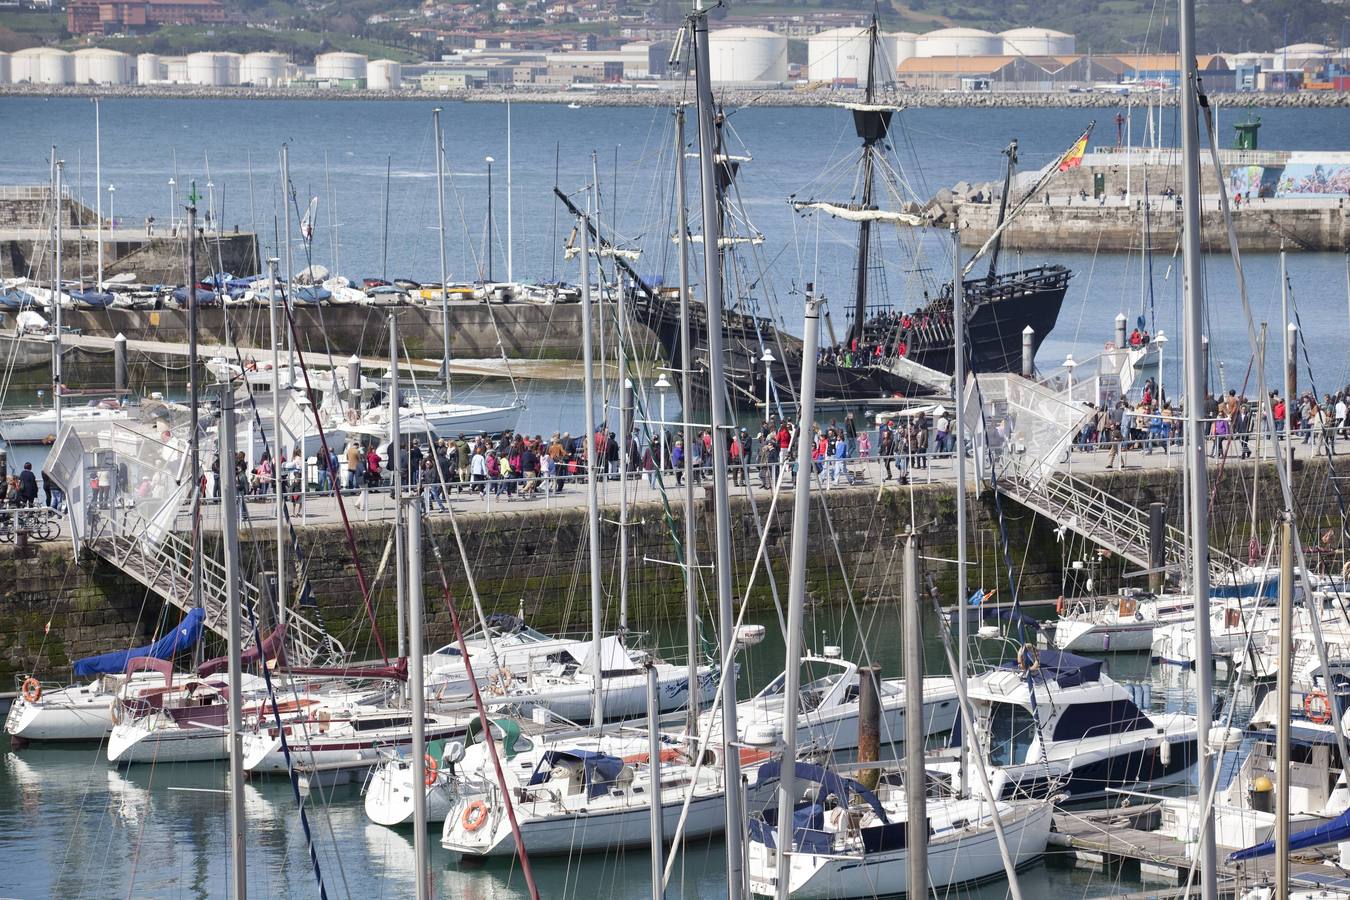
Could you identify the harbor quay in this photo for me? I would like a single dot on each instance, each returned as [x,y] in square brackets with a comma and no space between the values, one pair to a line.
[530,554]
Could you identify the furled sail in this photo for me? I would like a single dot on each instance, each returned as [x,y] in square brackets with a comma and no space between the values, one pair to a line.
[857,214]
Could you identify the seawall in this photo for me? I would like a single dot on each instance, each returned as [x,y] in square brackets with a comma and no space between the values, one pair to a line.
[525,555]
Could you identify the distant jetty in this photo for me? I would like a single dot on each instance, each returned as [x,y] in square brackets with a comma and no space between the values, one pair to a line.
[642,97]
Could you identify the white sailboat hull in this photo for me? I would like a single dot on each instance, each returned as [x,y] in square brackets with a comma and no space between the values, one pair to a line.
[145,741]
[389,795]
[578,833]
[75,714]
[954,859]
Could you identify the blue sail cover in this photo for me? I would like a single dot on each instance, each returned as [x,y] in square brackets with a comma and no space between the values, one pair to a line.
[600,769]
[1338,829]
[1064,668]
[832,783]
[188,632]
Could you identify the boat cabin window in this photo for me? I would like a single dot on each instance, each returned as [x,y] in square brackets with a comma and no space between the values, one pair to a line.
[1012,728]
[818,679]
[1089,720]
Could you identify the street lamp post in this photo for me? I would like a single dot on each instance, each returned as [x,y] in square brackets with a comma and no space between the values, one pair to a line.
[112,217]
[663,385]
[768,360]
[1161,341]
[489,161]
[1069,364]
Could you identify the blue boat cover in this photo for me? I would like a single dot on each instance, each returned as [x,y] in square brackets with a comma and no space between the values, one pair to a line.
[833,783]
[1064,668]
[600,770]
[808,834]
[188,632]
[1338,829]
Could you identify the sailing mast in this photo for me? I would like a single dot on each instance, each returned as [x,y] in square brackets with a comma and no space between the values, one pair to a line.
[1011,152]
[229,511]
[717,385]
[801,520]
[1194,318]
[871,124]
[592,477]
[686,374]
[98,189]
[440,240]
[58,167]
[283,592]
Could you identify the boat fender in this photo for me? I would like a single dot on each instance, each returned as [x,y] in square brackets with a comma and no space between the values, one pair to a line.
[324,717]
[1165,752]
[1028,658]
[475,816]
[32,689]
[1316,707]
[353,417]
[429,769]
[119,711]
[1059,605]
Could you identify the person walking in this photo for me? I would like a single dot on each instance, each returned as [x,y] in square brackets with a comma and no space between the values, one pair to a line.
[28,486]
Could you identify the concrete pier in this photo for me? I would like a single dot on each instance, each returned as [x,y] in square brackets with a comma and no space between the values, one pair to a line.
[526,552]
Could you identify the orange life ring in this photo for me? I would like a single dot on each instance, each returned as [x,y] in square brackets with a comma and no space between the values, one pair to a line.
[32,689]
[475,816]
[1317,707]
[429,770]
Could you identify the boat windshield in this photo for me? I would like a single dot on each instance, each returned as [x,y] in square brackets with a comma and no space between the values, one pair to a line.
[818,679]
[1012,728]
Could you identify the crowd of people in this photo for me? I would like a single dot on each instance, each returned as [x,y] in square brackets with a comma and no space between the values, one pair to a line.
[887,335]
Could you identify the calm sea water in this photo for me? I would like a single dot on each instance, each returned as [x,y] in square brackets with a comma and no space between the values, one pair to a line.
[72,827]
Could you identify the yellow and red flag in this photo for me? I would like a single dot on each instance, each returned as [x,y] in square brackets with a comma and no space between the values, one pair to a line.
[1073,157]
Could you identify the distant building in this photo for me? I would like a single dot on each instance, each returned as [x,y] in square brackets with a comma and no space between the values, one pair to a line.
[113,16]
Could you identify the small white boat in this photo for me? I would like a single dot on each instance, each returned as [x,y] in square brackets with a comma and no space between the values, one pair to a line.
[1055,724]
[185,722]
[389,790]
[81,712]
[1118,624]
[580,795]
[827,716]
[855,845]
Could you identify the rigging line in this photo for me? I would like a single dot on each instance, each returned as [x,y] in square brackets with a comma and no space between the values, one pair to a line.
[337,493]
[448,597]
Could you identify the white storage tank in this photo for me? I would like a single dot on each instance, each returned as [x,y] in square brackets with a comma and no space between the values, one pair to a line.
[737,55]
[384,75]
[340,67]
[97,65]
[206,69]
[1037,42]
[230,65]
[263,69]
[840,55]
[54,67]
[904,44]
[959,42]
[175,69]
[149,70]
[5,68]
[23,66]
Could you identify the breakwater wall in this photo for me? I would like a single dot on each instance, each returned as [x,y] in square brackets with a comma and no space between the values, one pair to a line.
[154,258]
[525,331]
[1119,227]
[523,555]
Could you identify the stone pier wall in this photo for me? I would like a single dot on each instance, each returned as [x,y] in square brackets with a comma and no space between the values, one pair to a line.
[525,555]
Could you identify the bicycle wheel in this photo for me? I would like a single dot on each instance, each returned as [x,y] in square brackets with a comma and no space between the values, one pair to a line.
[44,529]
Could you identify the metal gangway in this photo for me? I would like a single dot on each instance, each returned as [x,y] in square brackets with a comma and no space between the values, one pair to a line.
[1023,433]
[130,500]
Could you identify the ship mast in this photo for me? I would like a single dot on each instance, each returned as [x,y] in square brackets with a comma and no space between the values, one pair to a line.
[1011,153]
[871,124]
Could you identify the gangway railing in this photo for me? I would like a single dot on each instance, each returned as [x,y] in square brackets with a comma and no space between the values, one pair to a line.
[1094,514]
[164,565]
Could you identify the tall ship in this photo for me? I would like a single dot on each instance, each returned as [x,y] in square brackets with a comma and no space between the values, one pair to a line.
[889,349]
